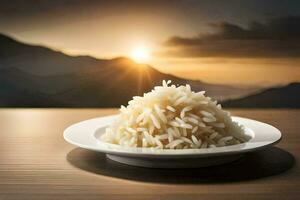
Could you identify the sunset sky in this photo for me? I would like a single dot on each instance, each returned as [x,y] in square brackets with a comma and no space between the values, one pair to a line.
[229,42]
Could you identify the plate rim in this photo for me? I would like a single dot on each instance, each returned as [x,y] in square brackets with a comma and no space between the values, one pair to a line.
[159,153]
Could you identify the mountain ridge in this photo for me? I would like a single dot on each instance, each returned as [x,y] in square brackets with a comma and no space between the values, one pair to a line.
[287,96]
[37,76]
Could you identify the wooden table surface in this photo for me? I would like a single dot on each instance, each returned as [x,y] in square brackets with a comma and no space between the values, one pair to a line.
[36,163]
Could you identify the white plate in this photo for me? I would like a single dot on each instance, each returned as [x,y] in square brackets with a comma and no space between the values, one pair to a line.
[85,134]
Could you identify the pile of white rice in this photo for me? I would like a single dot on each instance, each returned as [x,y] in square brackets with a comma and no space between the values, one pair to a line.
[171,117]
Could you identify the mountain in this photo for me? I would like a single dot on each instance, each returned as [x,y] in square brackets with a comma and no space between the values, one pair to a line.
[282,97]
[36,76]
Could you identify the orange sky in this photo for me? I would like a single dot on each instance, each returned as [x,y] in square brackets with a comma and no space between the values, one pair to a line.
[243,71]
[108,29]
[259,72]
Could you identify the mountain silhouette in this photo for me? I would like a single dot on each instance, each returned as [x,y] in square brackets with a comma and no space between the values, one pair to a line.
[36,76]
[282,97]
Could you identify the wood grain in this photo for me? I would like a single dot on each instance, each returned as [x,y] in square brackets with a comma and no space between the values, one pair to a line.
[36,163]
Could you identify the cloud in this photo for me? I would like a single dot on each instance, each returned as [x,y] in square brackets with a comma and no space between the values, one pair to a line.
[278,37]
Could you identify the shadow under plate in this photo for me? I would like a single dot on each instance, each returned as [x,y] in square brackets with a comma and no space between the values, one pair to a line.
[254,165]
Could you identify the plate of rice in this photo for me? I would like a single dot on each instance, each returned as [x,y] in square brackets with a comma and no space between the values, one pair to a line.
[172,127]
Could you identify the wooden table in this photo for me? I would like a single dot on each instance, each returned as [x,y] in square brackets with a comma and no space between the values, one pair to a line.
[36,163]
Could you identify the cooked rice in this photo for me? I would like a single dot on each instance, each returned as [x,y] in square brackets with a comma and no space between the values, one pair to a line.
[171,117]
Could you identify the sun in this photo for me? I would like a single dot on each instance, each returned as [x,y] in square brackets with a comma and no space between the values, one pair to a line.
[140,55]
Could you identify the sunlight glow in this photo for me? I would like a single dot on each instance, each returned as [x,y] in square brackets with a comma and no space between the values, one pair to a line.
[140,55]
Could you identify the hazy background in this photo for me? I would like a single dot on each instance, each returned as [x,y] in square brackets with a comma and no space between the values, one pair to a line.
[249,45]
